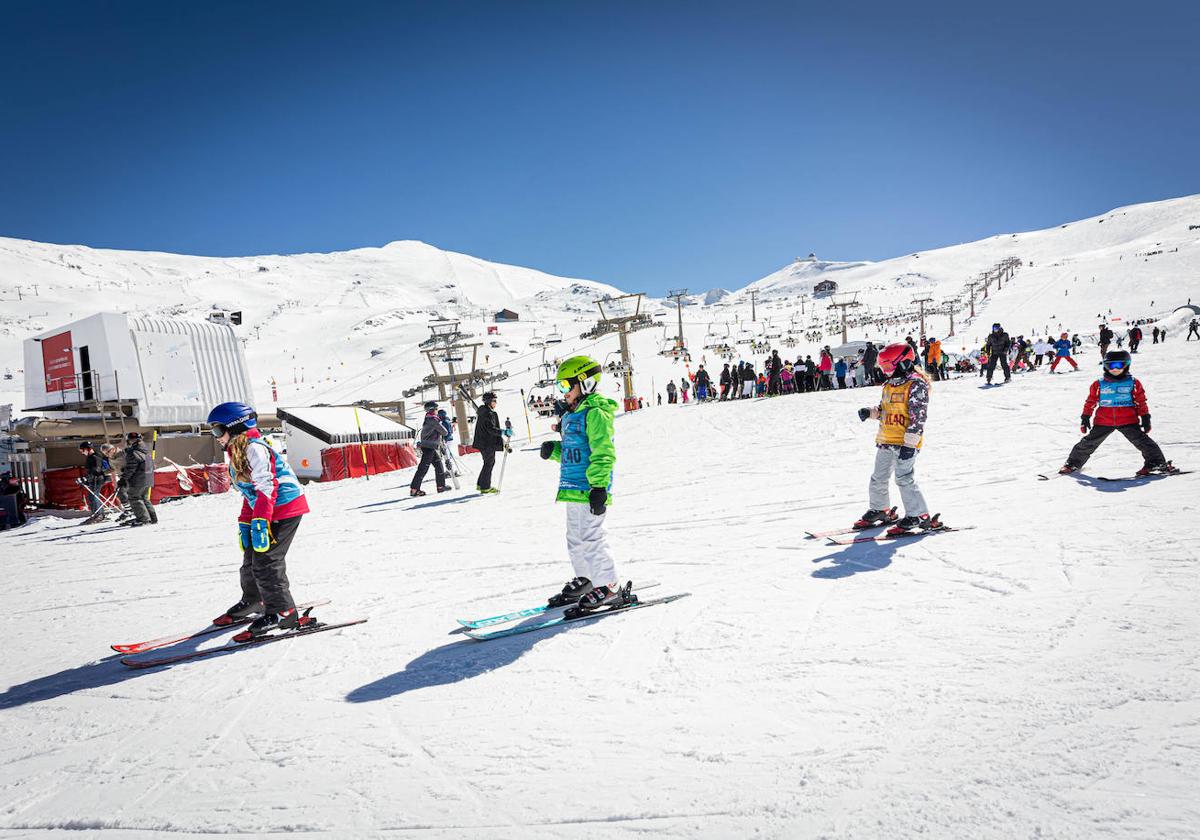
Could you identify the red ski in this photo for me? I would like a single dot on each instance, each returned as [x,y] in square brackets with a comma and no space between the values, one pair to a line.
[151,644]
[817,535]
[308,629]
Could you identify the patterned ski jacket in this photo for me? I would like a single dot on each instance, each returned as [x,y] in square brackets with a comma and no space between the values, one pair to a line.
[273,492]
[902,410]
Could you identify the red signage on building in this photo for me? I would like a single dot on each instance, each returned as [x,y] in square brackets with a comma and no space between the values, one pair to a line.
[58,362]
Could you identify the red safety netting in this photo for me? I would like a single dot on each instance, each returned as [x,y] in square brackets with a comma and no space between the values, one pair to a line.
[63,491]
[61,488]
[342,462]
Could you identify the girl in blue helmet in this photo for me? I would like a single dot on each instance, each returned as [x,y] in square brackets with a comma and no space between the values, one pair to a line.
[271,509]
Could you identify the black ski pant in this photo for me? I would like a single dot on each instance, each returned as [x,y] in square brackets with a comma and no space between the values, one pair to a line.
[1133,344]
[264,574]
[484,482]
[428,457]
[774,384]
[1133,433]
[1192,332]
[1002,358]
[139,502]
[1103,350]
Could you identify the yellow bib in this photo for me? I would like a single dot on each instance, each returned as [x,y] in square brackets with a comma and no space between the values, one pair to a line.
[893,414]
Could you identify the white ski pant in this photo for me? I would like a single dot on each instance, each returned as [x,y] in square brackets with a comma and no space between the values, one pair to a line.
[587,547]
[887,462]
[748,388]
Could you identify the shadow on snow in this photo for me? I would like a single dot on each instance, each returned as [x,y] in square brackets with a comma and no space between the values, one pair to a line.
[858,558]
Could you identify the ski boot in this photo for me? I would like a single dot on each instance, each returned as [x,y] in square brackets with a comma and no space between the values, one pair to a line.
[875,518]
[270,624]
[488,491]
[1157,469]
[1067,469]
[443,489]
[914,525]
[240,610]
[570,592]
[602,597]
[416,491]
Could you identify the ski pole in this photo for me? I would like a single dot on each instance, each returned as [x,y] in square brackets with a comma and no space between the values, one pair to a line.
[503,462]
[361,445]
[525,405]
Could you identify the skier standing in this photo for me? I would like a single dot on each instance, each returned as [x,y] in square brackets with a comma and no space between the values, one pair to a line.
[901,412]
[1106,337]
[703,384]
[1193,330]
[670,390]
[1062,351]
[933,358]
[586,456]
[774,369]
[726,380]
[1135,338]
[430,444]
[488,440]
[93,477]
[272,506]
[1119,401]
[137,475]
[997,351]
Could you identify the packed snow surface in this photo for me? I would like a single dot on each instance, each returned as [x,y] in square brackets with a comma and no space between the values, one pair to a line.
[1034,677]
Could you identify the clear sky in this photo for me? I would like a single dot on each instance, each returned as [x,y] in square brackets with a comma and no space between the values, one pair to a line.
[646,144]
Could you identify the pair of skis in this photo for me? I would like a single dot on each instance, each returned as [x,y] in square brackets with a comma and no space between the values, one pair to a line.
[1171,471]
[308,627]
[835,536]
[545,617]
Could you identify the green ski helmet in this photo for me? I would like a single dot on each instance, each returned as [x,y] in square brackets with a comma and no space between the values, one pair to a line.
[582,369]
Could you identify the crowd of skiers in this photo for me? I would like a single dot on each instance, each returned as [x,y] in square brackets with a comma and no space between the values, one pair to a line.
[132,481]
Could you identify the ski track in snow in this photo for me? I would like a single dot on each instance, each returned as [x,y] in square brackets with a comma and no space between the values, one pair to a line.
[1037,676]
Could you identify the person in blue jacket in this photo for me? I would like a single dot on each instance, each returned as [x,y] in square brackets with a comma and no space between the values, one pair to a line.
[1062,352]
[839,370]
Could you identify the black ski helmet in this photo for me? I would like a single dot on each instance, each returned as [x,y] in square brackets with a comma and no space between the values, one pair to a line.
[87,444]
[430,406]
[1122,359]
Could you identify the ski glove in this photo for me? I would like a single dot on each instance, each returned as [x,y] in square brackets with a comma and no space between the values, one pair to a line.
[1146,423]
[260,534]
[864,413]
[907,452]
[1085,423]
[597,499]
[547,449]
[244,535]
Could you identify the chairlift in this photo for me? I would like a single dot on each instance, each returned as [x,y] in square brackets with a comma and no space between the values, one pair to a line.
[554,337]
[536,341]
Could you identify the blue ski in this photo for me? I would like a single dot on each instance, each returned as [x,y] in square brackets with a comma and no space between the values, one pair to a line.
[529,612]
[562,618]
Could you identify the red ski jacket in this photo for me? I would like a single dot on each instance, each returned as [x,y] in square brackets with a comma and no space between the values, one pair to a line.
[1116,408]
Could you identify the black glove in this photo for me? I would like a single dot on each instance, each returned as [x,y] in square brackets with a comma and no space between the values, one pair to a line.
[597,499]
[864,413]
[907,452]
[1146,423]
[547,449]
[1085,423]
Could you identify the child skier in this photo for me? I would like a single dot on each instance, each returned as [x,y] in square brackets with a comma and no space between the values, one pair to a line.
[1062,352]
[586,455]
[901,413]
[272,506]
[1120,405]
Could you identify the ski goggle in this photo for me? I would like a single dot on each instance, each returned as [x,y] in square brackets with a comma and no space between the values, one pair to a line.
[218,430]
[1115,365]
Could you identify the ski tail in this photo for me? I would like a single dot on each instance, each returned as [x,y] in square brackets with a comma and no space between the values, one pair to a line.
[305,630]
[151,644]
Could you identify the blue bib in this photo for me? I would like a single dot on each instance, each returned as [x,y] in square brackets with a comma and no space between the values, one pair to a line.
[576,453]
[1118,394]
[289,485]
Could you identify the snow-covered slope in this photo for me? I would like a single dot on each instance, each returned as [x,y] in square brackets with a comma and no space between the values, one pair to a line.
[1035,677]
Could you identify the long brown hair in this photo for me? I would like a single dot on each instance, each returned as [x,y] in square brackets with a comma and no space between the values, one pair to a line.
[236,449]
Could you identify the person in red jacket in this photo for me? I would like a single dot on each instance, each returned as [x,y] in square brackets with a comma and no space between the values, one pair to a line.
[1119,402]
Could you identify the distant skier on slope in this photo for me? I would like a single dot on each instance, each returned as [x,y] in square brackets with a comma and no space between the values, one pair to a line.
[586,456]
[703,384]
[1062,352]
[430,444]
[901,413]
[997,346]
[1119,401]
[488,440]
[272,506]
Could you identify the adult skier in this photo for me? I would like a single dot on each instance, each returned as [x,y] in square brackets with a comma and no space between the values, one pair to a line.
[586,455]
[1106,338]
[997,351]
[93,477]
[726,380]
[1119,402]
[774,367]
[430,444]
[1193,330]
[901,413]
[1135,338]
[1062,352]
[488,440]
[272,506]
[137,476]
[703,384]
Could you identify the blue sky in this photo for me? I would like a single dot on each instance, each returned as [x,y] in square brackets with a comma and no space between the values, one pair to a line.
[650,145]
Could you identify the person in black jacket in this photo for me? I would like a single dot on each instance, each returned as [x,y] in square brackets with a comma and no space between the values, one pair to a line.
[1106,337]
[774,368]
[93,477]
[870,355]
[997,345]
[488,440]
[137,475]
[726,381]
[430,444]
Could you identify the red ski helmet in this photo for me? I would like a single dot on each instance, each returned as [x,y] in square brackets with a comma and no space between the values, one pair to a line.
[896,356]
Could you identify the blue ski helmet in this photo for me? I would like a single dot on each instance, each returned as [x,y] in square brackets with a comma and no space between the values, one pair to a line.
[232,417]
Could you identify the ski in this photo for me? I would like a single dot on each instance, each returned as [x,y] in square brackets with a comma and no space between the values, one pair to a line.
[885,538]
[529,612]
[151,644]
[1140,477]
[818,535]
[563,619]
[307,630]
